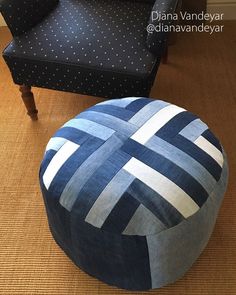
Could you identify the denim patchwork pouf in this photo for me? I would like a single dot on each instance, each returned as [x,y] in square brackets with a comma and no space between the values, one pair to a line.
[132,188]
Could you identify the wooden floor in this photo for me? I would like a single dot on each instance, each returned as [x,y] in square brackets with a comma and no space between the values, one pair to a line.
[201,76]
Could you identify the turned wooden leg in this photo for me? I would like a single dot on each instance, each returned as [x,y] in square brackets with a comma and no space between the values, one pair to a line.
[28,99]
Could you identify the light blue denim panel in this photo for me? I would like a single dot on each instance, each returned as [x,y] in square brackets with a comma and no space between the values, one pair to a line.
[119,102]
[55,143]
[193,130]
[143,221]
[109,121]
[109,197]
[172,252]
[147,112]
[91,128]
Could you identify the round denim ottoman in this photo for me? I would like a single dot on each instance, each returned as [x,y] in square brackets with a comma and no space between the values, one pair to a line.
[132,188]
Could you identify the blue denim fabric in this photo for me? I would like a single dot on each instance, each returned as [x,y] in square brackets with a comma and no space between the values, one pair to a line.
[71,166]
[98,181]
[183,160]
[175,125]
[123,211]
[212,139]
[115,111]
[134,233]
[167,168]
[138,104]
[148,110]
[91,128]
[193,130]
[73,134]
[172,252]
[117,124]
[199,155]
[87,168]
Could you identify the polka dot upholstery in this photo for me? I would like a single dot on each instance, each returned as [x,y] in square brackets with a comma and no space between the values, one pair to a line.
[22,15]
[156,40]
[86,46]
[132,188]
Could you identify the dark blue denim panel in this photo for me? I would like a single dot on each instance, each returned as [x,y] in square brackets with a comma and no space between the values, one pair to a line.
[70,166]
[138,104]
[121,214]
[99,180]
[166,167]
[58,217]
[162,209]
[73,134]
[175,125]
[212,139]
[198,154]
[115,111]
[46,160]
[113,258]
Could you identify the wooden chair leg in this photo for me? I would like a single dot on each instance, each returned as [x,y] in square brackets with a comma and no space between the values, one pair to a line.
[28,99]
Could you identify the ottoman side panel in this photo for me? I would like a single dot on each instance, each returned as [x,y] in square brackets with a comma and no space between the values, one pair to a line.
[118,260]
[58,220]
[173,251]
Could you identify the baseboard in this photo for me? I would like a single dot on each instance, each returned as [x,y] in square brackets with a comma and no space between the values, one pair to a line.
[227,8]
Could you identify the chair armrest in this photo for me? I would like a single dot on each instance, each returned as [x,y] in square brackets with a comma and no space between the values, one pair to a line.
[22,15]
[157,41]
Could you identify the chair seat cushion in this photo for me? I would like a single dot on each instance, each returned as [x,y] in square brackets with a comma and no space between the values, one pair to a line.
[132,189]
[87,44]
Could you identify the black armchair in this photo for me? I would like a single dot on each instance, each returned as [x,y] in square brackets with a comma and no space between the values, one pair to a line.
[93,47]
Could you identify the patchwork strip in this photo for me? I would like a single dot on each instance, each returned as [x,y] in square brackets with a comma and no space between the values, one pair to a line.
[57,161]
[155,123]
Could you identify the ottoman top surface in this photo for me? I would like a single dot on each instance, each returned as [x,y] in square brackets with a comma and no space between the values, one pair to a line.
[132,166]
